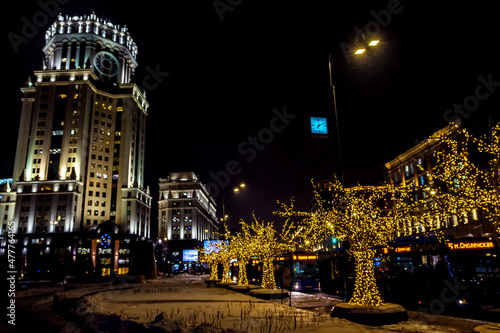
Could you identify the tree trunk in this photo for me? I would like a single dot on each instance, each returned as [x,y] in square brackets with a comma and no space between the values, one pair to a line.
[226,272]
[242,273]
[214,270]
[366,292]
[268,281]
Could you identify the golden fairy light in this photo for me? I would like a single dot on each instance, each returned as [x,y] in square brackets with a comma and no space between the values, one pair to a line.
[460,190]
[267,246]
[242,249]
[363,216]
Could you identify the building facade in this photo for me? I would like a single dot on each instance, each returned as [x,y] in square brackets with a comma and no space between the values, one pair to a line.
[415,167]
[80,150]
[185,208]
[81,143]
[187,215]
[7,205]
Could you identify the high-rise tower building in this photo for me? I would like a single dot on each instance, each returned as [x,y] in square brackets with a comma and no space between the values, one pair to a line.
[77,200]
[81,143]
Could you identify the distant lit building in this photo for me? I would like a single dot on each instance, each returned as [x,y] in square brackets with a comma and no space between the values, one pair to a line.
[186,210]
[186,214]
[80,152]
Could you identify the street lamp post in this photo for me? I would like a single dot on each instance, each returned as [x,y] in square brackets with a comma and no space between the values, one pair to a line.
[336,119]
[359,51]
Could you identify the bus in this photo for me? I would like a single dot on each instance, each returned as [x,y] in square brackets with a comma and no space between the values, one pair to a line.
[298,271]
[422,273]
[458,274]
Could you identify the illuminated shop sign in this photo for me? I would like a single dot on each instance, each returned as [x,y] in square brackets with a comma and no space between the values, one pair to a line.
[189,255]
[471,246]
[305,257]
[213,245]
[399,249]
[403,249]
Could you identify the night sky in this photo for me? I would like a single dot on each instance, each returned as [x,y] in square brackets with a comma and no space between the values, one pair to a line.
[231,72]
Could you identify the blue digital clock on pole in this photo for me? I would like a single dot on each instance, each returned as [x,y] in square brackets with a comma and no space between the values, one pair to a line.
[319,125]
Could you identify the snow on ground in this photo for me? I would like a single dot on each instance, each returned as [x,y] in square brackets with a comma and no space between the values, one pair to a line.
[185,304]
[317,301]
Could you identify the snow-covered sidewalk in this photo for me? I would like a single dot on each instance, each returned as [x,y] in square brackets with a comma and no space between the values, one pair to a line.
[185,304]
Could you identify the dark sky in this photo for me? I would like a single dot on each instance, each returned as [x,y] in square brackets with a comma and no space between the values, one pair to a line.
[226,76]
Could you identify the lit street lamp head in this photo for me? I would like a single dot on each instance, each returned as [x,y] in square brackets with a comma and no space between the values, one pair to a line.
[362,50]
[237,189]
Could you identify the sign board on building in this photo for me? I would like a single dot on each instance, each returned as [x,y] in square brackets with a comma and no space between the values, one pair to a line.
[189,255]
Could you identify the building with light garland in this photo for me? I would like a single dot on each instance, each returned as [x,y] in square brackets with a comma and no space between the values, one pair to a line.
[187,216]
[415,167]
[81,144]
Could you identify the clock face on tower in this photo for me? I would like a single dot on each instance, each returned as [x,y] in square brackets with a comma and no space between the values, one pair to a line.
[106,63]
[319,125]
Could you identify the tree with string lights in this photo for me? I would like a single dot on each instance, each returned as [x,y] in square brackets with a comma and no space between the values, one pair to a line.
[365,217]
[225,254]
[212,257]
[242,249]
[218,253]
[266,245]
